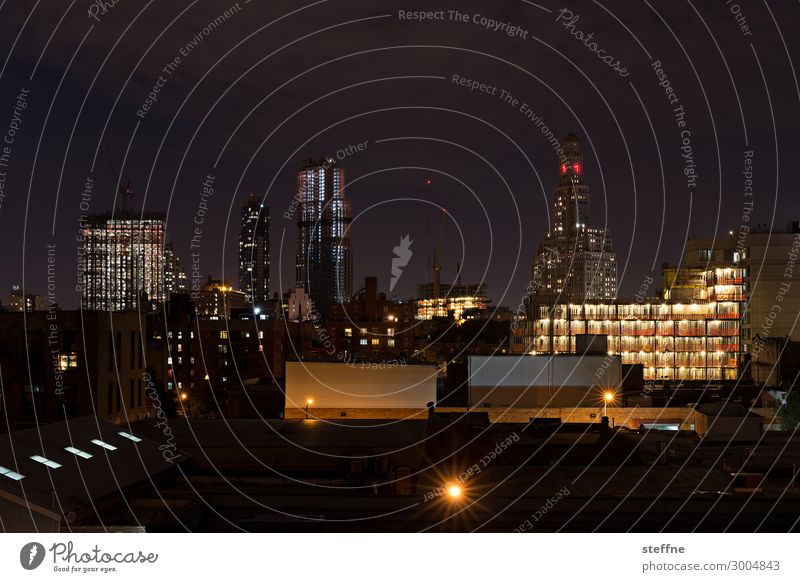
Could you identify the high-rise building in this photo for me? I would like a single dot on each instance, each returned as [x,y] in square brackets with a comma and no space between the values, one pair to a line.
[574,261]
[122,260]
[254,251]
[324,254]
[175,279]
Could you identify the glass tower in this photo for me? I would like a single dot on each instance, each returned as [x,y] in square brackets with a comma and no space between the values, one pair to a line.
[254,251]
[324,264]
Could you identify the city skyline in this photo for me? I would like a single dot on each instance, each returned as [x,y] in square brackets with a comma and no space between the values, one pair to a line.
[623,154]
[550,249]
[347,267]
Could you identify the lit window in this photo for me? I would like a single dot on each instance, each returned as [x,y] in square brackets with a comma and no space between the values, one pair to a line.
[45,461]
[363,341]
[348,332]
[69,360]
[376,342]
[78,452]
[130,437]
[105,445]
[223,334]
[10,474]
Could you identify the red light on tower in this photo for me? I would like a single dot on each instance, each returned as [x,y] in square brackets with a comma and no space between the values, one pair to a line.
[563,168]
[428,181]
[577,168]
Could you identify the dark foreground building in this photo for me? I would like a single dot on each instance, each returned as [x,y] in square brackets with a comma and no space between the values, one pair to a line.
[82,475]
[63,364]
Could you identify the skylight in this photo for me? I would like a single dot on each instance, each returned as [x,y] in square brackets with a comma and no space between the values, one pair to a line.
[129,436]
[10,474]
[78,452]
[100,443]
[45,461]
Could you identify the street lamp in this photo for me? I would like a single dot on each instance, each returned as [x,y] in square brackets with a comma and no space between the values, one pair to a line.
[607,397]
[454,491]
[309,402]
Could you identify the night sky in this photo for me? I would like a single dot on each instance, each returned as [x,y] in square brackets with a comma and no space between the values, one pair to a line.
[278,81]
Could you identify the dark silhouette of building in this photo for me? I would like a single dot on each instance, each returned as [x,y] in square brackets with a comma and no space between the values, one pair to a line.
[200,359]
[71,363]
[370,327]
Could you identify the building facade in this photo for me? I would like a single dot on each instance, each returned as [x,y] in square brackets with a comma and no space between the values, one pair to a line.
[453,301]
[574,261]
[672,341]
[254,257]
[369,328]
[218,299]
[755,267]
[773,293]
[19,301]
[199,360]
[122,260]
[70,364]
[324,266]
[175,279]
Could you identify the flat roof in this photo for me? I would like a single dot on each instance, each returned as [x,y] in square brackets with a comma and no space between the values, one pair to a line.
[67,465]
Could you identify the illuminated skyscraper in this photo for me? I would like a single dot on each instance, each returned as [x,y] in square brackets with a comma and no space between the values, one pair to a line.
[324,254]
[574,262]
[122,258]
[254,251]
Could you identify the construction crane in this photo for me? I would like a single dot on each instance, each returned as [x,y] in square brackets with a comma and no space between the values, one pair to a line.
[437,257]
[126,191]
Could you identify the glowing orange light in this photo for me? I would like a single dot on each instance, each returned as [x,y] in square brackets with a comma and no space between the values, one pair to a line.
[454,491]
